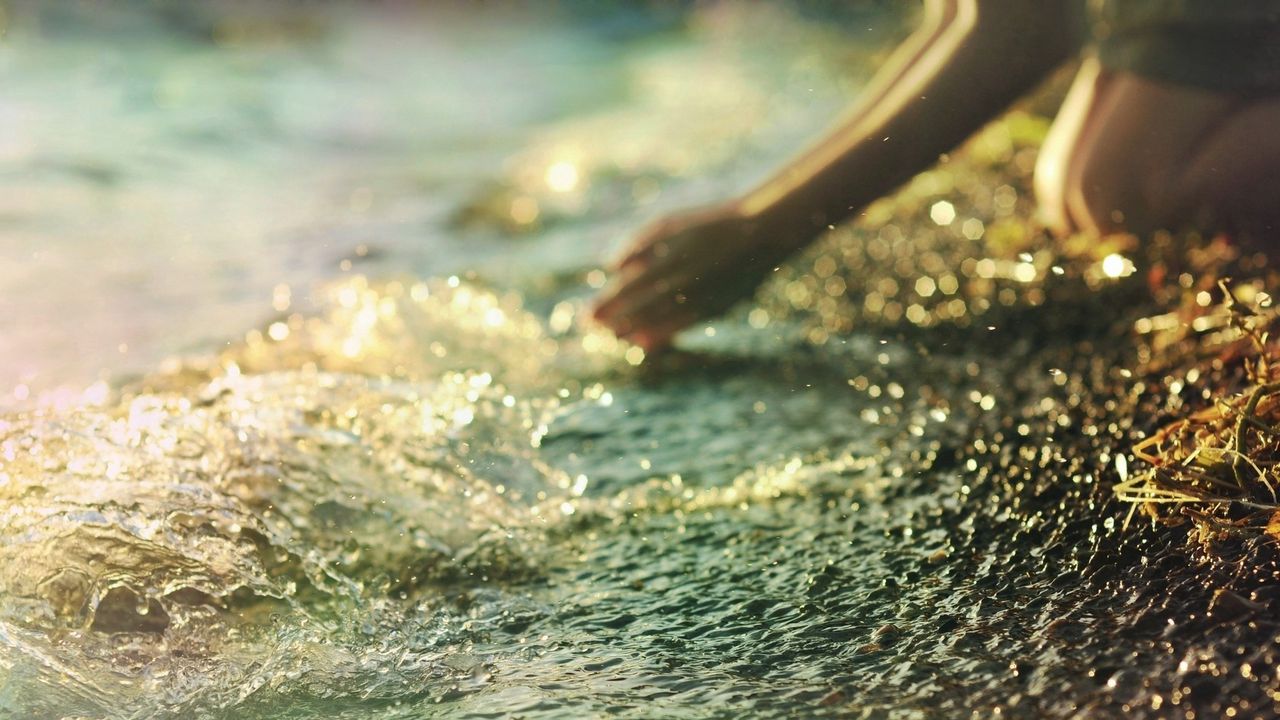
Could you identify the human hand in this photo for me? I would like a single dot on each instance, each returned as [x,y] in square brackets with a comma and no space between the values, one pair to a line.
[687,267]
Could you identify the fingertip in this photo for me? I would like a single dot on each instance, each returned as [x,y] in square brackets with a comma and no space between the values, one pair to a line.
[619,326]
[605,304]
[651,343]
[629,259]
[633,267]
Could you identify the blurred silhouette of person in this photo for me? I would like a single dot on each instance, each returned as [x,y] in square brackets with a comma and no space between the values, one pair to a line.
[1172,121]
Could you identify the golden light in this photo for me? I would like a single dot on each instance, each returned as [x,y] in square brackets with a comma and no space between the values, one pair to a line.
[973,229]
[942,212]
[278,331]
[1116,266]
[562,176]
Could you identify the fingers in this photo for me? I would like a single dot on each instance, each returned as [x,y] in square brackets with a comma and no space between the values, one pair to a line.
[651,319]
[640,302]
[636,286]
[658,337]
[644,252]
[647,302]
[651,244]
[637,256]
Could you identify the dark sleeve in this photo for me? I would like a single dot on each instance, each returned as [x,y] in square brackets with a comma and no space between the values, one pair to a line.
[1223,45]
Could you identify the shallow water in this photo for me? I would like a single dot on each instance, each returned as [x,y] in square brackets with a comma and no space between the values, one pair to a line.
[863,495]
[168,177]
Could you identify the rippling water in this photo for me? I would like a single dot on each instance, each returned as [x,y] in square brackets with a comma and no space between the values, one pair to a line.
[882,489]
[168,174]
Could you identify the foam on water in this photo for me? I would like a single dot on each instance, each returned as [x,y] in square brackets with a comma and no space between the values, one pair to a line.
[276,478]
[425,500]
[320,513]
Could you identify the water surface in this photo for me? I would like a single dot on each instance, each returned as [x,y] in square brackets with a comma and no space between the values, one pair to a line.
[418,486]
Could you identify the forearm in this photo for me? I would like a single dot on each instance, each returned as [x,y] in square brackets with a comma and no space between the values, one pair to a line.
[955,74]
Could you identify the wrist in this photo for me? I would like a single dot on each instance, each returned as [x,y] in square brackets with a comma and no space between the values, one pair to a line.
[777,223]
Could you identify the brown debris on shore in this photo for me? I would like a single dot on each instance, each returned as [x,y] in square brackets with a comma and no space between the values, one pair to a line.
[1218,466]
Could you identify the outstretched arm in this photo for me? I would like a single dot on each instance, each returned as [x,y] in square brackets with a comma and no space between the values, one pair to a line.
[968,61]
[982,56]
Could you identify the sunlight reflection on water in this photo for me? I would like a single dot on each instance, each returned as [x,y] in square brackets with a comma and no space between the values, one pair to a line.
[880,490]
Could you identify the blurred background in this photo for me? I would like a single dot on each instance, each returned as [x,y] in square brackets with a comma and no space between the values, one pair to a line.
[173,174]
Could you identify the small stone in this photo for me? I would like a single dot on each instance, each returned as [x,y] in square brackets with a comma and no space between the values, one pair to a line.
[1227,605]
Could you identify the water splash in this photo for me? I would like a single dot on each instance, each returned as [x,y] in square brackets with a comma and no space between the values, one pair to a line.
[250,506]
